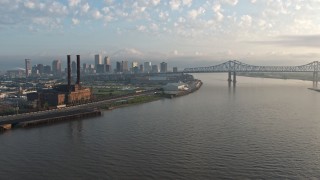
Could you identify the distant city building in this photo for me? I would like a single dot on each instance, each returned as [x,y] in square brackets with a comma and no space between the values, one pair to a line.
[28,67]
[133,65]
[108,68]
[124,66]
[40,68]
[97,60]
[107,60]
[35,71]
[154,69]
[56,67]
[163,67]
[17,73]
[74,67]
[175,69]
[47,69]
[141,68]
[147,67]
[118,66]
[101,68]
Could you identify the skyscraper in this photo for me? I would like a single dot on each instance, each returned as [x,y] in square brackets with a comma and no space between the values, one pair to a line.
[56,67]
[147,67]
[155,69]
[28,67]
[107,60]
[163,67]
[97,60]
[74,67]
[124,66]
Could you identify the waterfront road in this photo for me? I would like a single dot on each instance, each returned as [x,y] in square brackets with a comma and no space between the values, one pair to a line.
[88,107]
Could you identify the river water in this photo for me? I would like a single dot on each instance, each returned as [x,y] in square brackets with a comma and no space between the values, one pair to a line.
[262,128]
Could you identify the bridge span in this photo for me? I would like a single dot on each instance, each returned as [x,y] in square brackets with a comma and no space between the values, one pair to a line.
[234,66]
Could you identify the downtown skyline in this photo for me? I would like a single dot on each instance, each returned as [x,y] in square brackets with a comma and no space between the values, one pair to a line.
[185,32]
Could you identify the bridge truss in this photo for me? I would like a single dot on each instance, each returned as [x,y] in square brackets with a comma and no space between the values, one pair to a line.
[234,66]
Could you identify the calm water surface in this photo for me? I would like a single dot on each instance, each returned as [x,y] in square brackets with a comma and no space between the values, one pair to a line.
[263,128]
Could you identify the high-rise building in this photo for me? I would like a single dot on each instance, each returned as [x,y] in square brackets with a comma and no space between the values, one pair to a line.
[101,68]
[47,69]
[141,68]
[40,68]
[134,64]
[175,69]
[147,67]
[56,67]
[28,67]
[107,60]
[74,67]
[124,66]
[163,67]
[97,60]
[118,66]
[154,69]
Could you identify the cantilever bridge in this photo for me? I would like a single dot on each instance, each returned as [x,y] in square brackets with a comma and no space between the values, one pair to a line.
[234,66]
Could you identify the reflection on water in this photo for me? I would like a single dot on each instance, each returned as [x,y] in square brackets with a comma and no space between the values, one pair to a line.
[260,128]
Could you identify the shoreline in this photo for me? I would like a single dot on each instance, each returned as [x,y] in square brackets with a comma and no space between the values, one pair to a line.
[61,115]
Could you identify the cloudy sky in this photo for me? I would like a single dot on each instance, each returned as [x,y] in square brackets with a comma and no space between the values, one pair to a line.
[186,32]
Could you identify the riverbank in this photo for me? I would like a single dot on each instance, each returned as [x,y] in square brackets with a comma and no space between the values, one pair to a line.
[86,110]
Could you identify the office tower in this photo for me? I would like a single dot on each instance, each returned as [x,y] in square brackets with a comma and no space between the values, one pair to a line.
[163,67]
[40,68]
[124,66]
[74,67]
[118,66]
[28,67]
[56,67]
[175,69]
[97,60]
[147,67]
[108,68]
[134,64]
[154,69]
[47,69]
[101,68]
[107,60]
[141,68]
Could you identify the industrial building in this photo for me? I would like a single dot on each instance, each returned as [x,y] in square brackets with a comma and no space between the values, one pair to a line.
[65,94]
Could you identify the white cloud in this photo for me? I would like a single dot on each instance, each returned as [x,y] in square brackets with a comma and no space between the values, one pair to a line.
[154,27]
[164,15]
[155,2]
[187,2]
[216,7]
[193,14]
[29,4]
[246,21]
[231,2]
[175,52]
[75,21]
[85,8]
[96,14]
[73,3]
[106,10]
[175,4]
[141,28]
[58,8]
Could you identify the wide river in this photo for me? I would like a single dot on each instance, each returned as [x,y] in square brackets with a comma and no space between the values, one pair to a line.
[262,128]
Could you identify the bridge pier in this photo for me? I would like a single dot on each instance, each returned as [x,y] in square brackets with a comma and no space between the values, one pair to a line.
[229,77]
[315,79]
[234,78]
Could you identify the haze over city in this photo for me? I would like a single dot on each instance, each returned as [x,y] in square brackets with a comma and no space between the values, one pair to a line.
[181,32]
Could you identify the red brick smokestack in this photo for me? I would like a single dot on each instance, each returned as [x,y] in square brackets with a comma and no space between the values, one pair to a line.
[78,69]
[69,72]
